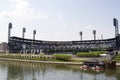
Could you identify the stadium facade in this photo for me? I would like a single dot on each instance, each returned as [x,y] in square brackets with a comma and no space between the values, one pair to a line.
[17,45]
[22,45]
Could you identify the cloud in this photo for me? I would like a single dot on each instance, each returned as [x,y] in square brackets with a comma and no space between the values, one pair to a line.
[21,11]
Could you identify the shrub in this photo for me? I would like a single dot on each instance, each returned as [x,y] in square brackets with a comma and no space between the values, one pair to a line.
[117,58]
[63,57]
[90,54]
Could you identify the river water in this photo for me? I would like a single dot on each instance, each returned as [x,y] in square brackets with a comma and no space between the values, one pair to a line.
[37,71]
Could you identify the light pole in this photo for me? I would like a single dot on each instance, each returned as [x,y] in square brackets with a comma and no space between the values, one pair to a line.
[94,33]
[115,23]
[80,35]
[23,33]
[9,30]
[23,36]
[9,35]
[34,33]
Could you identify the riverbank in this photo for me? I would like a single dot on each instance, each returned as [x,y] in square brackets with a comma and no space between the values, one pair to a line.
[52,59]
[47,62]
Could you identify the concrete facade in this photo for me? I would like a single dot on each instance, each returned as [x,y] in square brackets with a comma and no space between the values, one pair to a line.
[4,47]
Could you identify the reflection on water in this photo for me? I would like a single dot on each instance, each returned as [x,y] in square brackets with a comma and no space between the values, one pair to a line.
[36,71]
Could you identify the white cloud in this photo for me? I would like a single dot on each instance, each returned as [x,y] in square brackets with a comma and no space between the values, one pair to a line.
[21,11]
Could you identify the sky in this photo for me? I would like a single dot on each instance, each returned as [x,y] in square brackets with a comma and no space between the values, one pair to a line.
[59,20]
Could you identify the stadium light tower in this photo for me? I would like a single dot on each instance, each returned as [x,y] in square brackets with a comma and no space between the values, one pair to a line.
[34,33]
[9,30]
[81,35]
[94,33]
[23,33]
[115,23]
